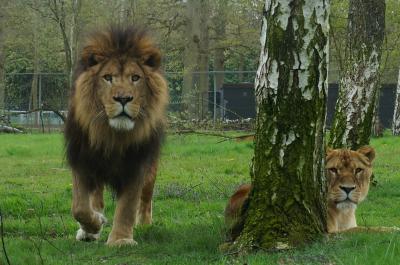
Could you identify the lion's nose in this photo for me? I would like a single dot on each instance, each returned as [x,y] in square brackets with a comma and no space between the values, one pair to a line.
[123,100]
[347,189]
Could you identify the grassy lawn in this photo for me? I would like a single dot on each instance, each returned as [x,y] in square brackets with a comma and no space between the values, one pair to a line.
[197,175]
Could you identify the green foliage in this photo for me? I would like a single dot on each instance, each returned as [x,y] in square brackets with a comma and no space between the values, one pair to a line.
[196,177]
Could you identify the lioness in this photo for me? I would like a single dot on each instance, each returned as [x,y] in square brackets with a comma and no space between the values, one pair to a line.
[348,173]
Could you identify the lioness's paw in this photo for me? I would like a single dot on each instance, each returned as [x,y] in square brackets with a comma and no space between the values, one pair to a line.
[121,242]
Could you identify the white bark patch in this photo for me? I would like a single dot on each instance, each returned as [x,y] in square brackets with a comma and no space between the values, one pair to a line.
[273,77]
[260,82]
[396,114]
[303,63]
[284,10]
[290,138]
[372,65]
[281,156]
[273,138]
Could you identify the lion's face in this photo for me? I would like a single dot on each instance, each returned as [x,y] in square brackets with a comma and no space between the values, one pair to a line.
[120,95]
[123,93]
[348,174]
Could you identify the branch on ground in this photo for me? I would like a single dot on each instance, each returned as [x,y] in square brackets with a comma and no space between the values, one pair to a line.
[9,129]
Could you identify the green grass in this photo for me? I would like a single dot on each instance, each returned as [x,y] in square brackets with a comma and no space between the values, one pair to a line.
[197,174]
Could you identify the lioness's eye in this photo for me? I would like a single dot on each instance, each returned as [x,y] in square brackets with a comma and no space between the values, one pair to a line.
[108,78]
[358,170]
[333,170]
[135,78]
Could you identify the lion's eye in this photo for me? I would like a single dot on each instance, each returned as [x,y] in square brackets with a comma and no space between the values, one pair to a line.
[108,78]
[333,170]
[358,170]
[135,78]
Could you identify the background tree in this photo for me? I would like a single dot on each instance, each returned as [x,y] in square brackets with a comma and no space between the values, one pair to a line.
[219,21]
[2,70]
[359,82]
[396,114]
[34,95]
[196,56]
[287,203]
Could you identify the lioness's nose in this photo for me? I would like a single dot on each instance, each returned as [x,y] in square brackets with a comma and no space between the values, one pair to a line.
[347,189]
[123,100]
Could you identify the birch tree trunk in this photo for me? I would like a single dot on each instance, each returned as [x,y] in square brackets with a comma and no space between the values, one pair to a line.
[287,203]
[2,57]
[396,114]
[359,83]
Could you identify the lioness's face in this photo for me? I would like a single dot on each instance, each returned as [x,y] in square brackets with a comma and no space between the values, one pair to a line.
[348,175]
[122,91]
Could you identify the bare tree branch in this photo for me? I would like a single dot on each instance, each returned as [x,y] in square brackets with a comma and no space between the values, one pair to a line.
[2,238]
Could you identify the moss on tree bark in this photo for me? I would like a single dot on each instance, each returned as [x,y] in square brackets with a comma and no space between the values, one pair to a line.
[287,204]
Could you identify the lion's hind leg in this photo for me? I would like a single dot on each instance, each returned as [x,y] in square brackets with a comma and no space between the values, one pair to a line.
[89,217]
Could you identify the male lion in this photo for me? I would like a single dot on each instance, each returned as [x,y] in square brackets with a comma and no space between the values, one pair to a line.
[348,173]
[114,130]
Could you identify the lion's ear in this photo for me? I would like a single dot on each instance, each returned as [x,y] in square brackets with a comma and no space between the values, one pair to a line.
[368,151]
[152,59]
[90,56]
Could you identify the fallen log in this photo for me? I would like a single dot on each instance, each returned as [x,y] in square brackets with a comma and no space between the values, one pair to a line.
[9,129]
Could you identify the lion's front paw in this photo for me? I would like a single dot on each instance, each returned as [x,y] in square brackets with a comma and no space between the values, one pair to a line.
[102,218]
[121,242]
[82,235]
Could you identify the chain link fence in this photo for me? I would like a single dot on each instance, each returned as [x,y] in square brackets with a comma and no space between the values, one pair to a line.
[210,100]
[39,101]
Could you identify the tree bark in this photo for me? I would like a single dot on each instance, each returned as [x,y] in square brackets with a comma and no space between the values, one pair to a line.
[74,34]
[396,114]
[203,59]
[2,59]
[287,205]
[34,95]
[196,58]
[219,22]
[189,92]
[359,82]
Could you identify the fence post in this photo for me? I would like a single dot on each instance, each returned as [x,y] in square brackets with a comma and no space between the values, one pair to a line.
[40,91]
[215,99]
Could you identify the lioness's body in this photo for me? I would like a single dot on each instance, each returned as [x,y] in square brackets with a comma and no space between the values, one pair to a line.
[353,171]
[114,130]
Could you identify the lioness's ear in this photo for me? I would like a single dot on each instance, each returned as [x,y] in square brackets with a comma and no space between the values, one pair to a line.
[328,151]
[152,59]
[368,151]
